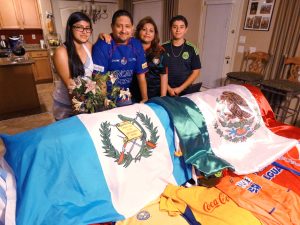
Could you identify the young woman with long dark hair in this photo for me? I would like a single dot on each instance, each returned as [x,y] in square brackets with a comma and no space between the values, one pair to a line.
[71,60]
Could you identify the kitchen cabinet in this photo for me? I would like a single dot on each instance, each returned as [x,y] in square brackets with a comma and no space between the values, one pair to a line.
[42,67]
[18,92]
[19,14]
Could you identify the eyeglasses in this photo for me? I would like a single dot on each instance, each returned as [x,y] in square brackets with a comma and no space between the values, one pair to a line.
[81,29]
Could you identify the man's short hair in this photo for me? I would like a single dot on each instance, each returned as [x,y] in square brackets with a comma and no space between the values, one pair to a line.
[178,18]
[121,12]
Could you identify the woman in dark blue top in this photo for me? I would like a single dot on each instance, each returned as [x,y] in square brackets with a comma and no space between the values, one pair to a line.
[157,78]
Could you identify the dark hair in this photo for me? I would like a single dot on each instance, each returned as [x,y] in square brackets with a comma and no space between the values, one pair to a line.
[121,12]
[75,64]
[154,48]
[178,18]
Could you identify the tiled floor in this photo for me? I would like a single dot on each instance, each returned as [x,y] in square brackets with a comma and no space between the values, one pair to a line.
[20,124]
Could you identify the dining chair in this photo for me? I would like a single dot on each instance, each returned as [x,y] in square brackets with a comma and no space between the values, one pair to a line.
[252,69]
[281,92]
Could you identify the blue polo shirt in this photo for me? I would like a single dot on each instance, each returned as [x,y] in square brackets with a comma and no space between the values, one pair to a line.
[123,61]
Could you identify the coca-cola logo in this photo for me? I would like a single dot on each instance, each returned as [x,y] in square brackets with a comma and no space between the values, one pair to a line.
[211,206]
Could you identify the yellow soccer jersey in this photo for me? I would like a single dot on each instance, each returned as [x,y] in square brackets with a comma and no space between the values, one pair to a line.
[151,215]
[210,206]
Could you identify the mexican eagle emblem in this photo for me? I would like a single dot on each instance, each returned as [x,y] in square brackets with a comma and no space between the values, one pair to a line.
[235,122]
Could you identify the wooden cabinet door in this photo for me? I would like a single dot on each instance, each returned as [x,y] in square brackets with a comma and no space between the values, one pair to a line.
[29,14]
[41,67]
[9,18]
[43,70]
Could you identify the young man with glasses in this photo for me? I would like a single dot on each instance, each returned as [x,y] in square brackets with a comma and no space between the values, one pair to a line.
[71,60]
[124,58]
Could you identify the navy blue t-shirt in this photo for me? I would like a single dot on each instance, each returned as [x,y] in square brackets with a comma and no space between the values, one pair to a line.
[181,61]
[157,67]
[123,61]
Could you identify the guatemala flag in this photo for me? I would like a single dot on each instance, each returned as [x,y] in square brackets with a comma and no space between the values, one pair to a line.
[94,167]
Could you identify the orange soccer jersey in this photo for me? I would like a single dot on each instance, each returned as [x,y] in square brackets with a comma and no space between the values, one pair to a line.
[271,203]
[280,174]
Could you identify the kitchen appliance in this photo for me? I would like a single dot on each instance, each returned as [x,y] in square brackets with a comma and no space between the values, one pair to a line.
[16,45]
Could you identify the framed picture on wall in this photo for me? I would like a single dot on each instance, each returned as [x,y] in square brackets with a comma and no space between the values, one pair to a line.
[259,15]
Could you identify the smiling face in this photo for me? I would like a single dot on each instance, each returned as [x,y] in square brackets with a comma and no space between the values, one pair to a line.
[178,30]
[122,29]
[81,31]
[147,33]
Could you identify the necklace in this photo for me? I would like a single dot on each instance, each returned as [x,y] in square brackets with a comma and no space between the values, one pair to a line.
[179,52]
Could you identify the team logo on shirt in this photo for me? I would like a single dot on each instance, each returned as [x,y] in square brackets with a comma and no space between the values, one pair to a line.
[222,199]
[137,135]
[156,61]
[143,215]
[236,121]
[123,61]
[185,55]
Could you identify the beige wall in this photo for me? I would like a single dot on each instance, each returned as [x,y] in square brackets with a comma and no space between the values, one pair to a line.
[258,39]
[192,10]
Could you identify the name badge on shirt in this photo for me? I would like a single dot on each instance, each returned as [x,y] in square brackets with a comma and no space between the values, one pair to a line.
[123,61]
[98,68]
[144,65]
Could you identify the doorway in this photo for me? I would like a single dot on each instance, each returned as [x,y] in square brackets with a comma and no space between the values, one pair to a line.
[146,7]
[221,22]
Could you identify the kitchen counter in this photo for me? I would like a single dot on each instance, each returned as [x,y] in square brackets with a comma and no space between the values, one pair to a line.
[15,61]
[33,47]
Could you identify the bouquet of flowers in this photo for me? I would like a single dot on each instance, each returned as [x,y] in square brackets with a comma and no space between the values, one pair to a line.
[89,94]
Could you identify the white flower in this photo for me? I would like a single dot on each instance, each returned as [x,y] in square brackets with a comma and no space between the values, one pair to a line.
[77,104]
[78,82]
[107,102]
[90,86]
[113,78]
[125,94]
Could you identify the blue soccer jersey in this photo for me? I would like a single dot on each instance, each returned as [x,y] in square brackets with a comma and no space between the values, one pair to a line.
[123,61]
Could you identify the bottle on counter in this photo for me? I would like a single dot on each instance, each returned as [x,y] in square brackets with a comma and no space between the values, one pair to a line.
[49,23]
[3,43]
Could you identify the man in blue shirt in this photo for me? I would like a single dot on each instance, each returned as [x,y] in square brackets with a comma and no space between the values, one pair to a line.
[124,58]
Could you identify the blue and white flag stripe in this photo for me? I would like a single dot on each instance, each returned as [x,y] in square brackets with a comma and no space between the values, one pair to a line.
[61,180]
[7,194]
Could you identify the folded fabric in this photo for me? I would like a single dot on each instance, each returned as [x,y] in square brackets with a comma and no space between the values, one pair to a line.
[8,196]
[209,206]
[270,202]
[151,215]
[282,177]
[236,130]
[192,133]
[285,170]
[93,168]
